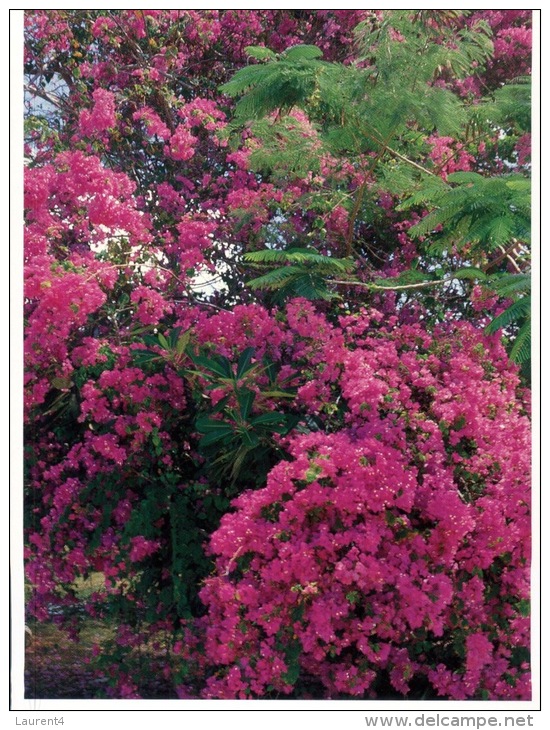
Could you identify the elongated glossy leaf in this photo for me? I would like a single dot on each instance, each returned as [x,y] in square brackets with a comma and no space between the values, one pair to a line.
[219,366]
[206,425]
[267,419]
[244,362]
[151,340]
[220,405]
[249,438]
[144,356]
[183,342]
[173,337]
[278,394]
[215,436]
[163,341]
[246,400]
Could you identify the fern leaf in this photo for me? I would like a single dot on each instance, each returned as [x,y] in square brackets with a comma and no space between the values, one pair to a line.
[261,53]
[517,310]
[299,53]
[464,177]
[437,217]
[431,192]
[469,272]
[301,256]
[312,288]
[509,284]
[521,349]
[266,256]
[276,279]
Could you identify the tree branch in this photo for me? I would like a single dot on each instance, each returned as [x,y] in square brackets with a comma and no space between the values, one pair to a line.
[378,287]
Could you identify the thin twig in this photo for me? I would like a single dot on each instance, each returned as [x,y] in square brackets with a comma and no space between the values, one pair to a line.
[377,287]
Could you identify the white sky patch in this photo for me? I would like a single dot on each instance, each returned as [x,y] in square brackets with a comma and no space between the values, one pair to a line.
[207,282]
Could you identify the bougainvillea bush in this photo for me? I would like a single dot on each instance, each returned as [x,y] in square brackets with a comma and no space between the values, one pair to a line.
[393,550]
[277,330]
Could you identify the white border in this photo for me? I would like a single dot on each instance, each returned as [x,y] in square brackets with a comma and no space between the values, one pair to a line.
[321,712]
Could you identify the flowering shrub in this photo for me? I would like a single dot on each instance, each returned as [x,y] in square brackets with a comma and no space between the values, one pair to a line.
[394,550]
[278,497]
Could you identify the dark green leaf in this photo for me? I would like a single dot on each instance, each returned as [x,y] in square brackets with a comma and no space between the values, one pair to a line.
[163,341]
[245,399]
[214,436]
[220,366]
[243,364]
[267,419]
[205,424]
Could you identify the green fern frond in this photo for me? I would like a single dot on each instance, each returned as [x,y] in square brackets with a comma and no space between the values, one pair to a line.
[305,272]
[465,177]
[294,282]
[492,230]
[441,110]
[248,77]
[511,104]
[281,82]
[276,278]
[518,313]
[470,272]
[261,53]
[300,256]
[431,191]
[309,287]
[267,256]
[488,212]
[521,349]
[448,210]
[506,285]
[511,315]
[302,53]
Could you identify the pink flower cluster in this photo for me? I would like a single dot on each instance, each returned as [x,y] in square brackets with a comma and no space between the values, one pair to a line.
[153,123]
[181,145]
[380,544]
[151,305]
[449,156]
[102,115]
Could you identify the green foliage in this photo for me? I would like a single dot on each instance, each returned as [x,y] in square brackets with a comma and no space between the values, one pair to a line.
[236,440]
[371,106]
[282,82]
[517,315]
[510,107]
[305,272]
[402,36]
[170,348]
[481,215]
[376,107]
[479,212]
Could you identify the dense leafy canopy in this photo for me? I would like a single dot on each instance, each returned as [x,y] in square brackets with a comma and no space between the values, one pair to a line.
[276,305]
